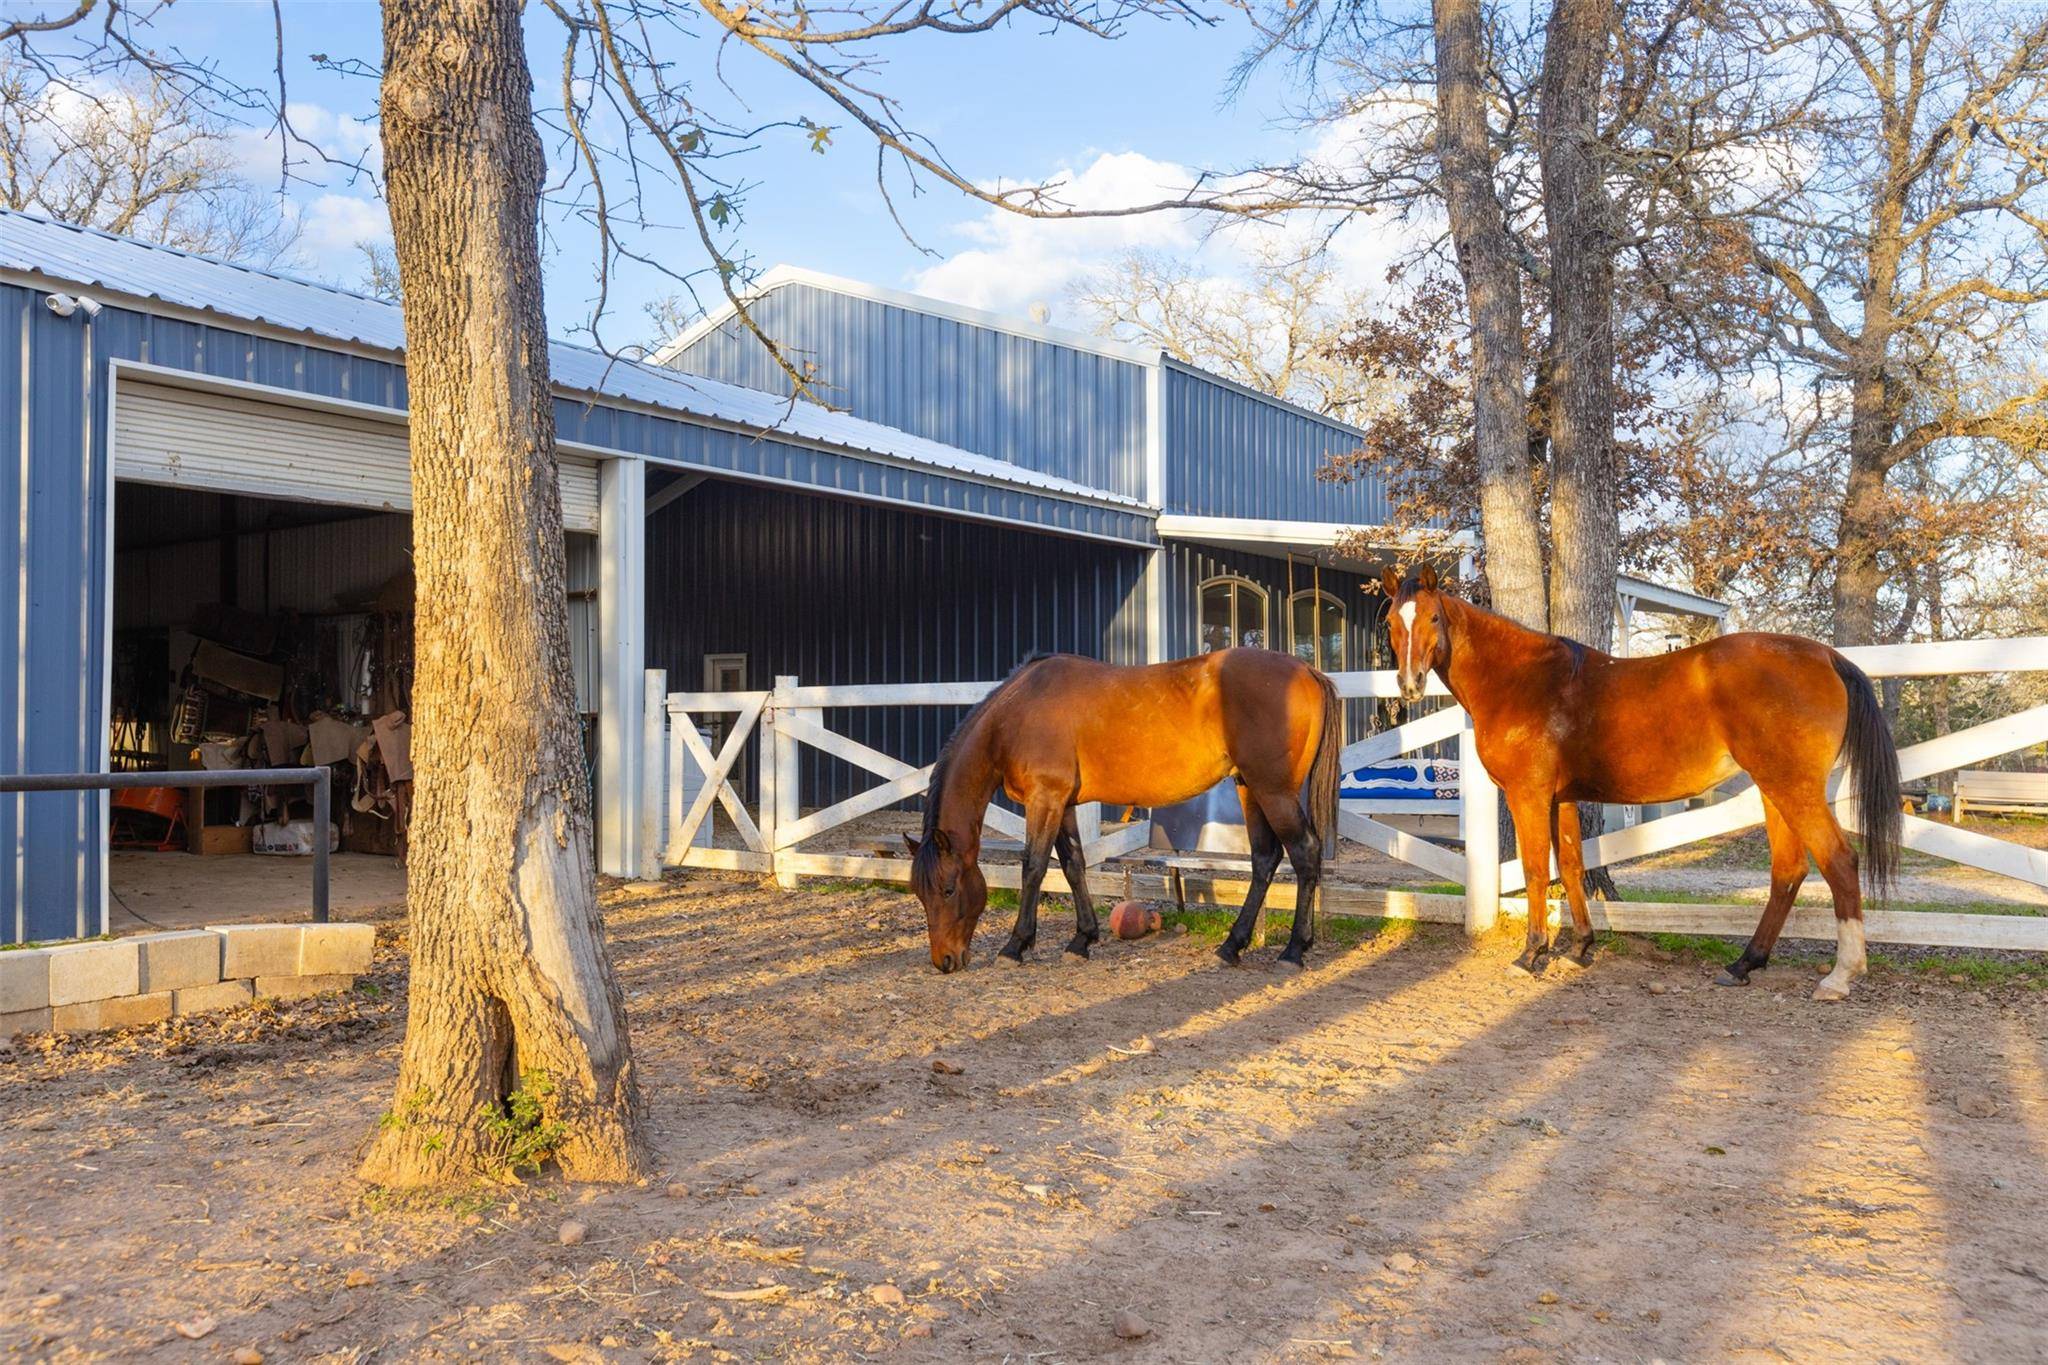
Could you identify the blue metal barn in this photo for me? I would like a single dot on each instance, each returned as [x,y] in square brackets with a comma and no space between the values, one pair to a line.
[978,489]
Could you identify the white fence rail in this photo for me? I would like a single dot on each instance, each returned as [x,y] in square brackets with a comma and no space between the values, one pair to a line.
[688,782]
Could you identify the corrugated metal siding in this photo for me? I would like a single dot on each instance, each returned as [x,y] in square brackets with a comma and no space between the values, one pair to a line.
[1232,455]
[51,716]
[1034,404]
[837,592]
[170,435]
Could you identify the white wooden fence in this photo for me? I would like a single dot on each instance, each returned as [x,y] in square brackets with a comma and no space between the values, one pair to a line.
[772,836]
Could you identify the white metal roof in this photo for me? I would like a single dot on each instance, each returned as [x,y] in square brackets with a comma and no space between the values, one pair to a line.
[85,258]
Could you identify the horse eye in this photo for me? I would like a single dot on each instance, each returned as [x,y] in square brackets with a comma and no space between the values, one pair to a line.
[950,890]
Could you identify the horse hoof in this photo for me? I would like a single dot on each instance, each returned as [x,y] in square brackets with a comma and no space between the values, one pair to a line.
[1828,991]
[1729,978]
[1228,956]
[1530,964]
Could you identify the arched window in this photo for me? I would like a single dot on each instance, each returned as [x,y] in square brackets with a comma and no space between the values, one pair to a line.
[1233,613]
[1315,630]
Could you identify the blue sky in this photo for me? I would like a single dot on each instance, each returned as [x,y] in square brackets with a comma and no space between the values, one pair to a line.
[1124,118]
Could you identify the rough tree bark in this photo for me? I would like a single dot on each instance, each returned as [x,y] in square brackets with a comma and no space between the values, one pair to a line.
[1585,527]
[511,985]
[1585,520]
[1493,295]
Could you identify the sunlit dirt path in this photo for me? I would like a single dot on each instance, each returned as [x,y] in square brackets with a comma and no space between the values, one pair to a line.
[1404,1153]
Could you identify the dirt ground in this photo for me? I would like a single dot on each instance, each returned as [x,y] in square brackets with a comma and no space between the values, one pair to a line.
[1404,1152]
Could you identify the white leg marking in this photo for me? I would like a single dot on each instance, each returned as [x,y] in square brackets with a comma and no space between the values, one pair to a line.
[1850,961]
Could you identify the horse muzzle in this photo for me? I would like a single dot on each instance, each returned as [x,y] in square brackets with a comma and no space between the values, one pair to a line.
[1412,690]
[948,963]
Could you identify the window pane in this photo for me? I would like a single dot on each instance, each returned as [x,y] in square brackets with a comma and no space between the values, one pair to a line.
[1333,639]
[1216,617]
[1301,629]
[1251,617]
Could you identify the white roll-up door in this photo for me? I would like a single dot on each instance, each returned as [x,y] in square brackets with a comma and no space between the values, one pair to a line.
[229,443]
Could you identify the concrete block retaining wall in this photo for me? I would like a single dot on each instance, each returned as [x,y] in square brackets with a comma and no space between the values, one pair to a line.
[121,983]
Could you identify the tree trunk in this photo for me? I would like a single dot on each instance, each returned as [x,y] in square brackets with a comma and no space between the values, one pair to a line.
[1585,520]
[1493,298]
[511,986]
[1858,575]
[1585,526]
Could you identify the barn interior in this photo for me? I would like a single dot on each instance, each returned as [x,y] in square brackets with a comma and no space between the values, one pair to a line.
[258,632]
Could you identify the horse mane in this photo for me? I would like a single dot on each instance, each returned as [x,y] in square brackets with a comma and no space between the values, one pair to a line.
[925,851]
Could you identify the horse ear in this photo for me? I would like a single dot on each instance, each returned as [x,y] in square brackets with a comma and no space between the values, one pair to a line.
[1390,582]
[1425,578]
[910,844]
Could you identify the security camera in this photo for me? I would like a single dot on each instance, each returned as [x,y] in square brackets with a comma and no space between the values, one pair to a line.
[91,306]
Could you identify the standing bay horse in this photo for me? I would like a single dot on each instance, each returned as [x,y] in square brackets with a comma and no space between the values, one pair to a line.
[1558,723]
[1063,730]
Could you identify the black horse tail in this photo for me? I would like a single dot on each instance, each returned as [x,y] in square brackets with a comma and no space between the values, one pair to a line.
[1874,763]
[1324,774]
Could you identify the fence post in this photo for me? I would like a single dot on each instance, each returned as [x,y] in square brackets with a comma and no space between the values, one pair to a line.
[1479,827]
[784,760]
[653,771]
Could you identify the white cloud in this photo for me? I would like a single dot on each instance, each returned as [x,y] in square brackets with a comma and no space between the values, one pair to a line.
[331,229]
[1011,263]
[1016,262]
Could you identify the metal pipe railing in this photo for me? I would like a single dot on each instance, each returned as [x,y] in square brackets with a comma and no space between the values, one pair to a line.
[321,780]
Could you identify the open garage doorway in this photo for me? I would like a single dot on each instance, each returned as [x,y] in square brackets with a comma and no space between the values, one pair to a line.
[259,631]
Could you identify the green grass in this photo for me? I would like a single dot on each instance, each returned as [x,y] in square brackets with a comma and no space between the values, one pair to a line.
[56,942]
[1340,931]
[1982,971]
[1702,946]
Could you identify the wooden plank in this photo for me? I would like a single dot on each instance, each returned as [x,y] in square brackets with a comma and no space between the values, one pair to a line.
[852,808]
[1400,844]
[716,770]
[714,703]
[889,694]
[1975,850]
[653,753]
[1479,824]
[726,860]
[1431,729]
[1933,929]
[1117,843]
[1974,745]
[804,728]
[875,761]
[1928,659]
[1384,682]
[1654,836]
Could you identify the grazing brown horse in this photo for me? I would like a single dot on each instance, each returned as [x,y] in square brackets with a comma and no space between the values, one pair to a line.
[1063,730]
[1559,723]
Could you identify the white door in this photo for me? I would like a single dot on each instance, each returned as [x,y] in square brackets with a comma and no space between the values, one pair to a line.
[231,443]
